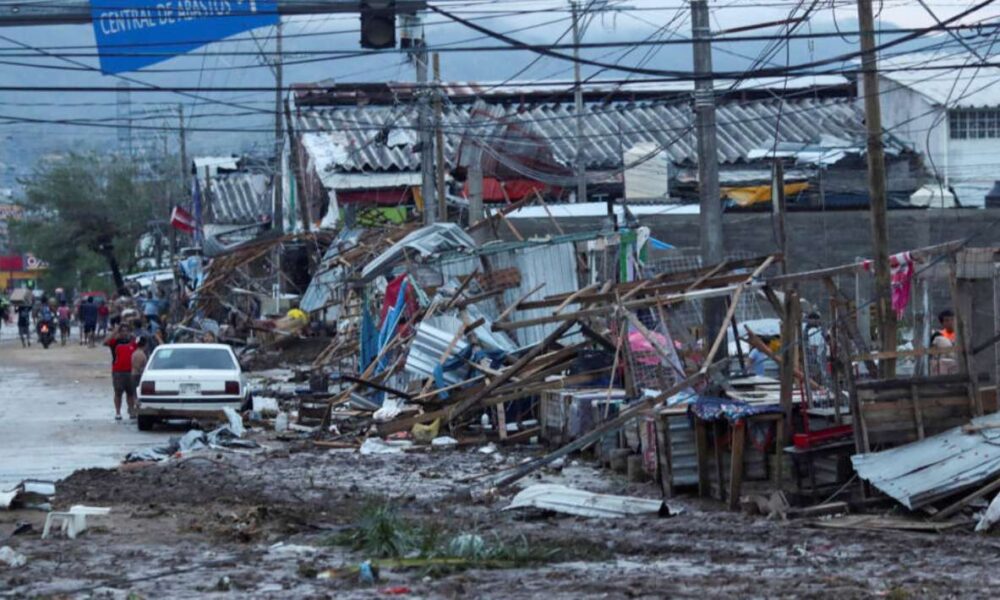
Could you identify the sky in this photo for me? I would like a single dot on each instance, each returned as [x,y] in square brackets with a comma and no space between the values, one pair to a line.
[37,56]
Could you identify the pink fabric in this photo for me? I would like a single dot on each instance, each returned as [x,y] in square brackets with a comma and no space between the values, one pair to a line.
[901,270]
[643,350]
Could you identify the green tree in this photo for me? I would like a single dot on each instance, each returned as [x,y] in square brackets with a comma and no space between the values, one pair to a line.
[86,214]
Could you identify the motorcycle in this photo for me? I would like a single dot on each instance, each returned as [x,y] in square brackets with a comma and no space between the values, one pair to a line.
[45,334]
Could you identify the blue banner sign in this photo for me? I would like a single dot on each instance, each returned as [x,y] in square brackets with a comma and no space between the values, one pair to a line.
[132,34]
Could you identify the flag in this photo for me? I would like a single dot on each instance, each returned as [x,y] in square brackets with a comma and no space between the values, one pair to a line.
[183,220]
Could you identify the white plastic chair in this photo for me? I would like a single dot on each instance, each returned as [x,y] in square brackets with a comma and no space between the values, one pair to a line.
[73,521]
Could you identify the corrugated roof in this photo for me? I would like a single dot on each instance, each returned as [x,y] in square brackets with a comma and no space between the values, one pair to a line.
[330,92]
[383,138]
[240,198]
[937,467]
[960,86]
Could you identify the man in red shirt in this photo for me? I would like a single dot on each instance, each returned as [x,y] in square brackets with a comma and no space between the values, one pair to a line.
[122,346]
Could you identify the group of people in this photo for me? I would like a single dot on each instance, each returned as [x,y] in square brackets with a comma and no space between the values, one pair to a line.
[942,361]
[95,316]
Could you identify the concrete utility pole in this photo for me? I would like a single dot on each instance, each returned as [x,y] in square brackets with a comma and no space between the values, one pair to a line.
[712,248]
[426,137]
[580,162]
[877,188]
[278,216]
[442,198]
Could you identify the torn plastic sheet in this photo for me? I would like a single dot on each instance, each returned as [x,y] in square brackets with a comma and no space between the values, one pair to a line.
[196,439]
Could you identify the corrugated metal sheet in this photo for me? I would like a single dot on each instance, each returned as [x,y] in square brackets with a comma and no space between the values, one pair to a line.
[551,264]
[240,198]
[922,472]
[562,499]
[331,92]
[378,138]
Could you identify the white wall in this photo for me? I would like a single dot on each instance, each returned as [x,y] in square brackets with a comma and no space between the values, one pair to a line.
[969,166]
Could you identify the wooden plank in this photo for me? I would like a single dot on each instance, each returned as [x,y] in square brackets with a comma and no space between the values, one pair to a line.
[663,455]
[624,417]
[739,431]
[510,309]
[560,331]
[960,504]
[918,254]
[717,446]
[701,451]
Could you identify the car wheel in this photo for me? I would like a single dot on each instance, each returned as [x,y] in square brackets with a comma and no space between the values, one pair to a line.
[145,422]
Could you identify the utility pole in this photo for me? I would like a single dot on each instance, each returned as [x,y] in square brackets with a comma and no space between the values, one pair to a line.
[442,210]
[778,209]
[710,221]
[183,147]
[424,125]
[877,188]
[278,216]
[581,165]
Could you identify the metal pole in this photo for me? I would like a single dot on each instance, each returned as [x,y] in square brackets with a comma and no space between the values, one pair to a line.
[442,210]
[708,161]
[877,188]
[778,207]
[426,139]
[278,215]
[581,165]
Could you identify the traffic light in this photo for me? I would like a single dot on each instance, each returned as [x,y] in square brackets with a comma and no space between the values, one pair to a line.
[378,24]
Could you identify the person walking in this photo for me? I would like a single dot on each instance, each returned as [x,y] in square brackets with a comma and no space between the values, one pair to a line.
[24,311]
[88,318]
[103,316]
[63,314]
[139,359]
[123,346]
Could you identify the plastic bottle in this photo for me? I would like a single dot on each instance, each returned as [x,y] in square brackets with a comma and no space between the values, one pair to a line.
[281,422]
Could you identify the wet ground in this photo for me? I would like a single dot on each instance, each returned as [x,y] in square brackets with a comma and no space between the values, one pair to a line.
[272,525]
[56,412]
[286,522]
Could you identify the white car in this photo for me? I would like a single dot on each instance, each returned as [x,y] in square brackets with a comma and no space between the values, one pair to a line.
[190,380]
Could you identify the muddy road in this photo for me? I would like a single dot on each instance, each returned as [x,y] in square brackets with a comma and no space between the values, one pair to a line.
[56,413]
[292,521]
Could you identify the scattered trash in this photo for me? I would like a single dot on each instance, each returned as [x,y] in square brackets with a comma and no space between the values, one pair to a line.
[30,493]
[379,446]
[563,499]
[400,590]
[444,441]
[424,434]
[490,448]
[990,517]
[391,408]
[366,574]
[11,558]
[281,422]
[265,406]
[73,522]
[225,436]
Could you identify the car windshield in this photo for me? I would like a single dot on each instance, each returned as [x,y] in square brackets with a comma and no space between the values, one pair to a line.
[210,359]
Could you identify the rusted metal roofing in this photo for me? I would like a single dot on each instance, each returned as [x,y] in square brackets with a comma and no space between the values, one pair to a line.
[379,138]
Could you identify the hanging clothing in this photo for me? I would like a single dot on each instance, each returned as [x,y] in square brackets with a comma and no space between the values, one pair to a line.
[901,272]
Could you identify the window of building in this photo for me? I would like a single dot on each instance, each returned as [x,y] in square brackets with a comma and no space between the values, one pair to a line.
[974,123]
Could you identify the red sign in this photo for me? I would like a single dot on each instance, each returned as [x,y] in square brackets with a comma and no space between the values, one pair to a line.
[12,263]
